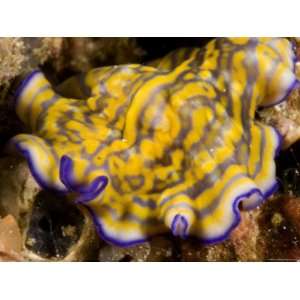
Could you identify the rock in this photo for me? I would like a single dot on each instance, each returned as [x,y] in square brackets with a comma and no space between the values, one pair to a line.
[278,237]
[245,237]
[162,248]
[289,130]
[291,209]
[10,240]
[192,250]
[86,248]
[134,253]
[221,252]
[82,54]
[17,187]
[21,55]
[12,58]
[57,230]
[158,249]
[41,50]
[52,228]
[293,254]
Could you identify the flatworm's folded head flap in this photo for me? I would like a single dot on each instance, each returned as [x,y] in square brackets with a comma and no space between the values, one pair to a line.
[31,98]
[276,65]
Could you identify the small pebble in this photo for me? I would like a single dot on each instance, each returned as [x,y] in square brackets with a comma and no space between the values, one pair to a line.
[276,219]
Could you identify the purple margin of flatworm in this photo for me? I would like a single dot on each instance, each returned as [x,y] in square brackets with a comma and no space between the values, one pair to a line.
[107,238]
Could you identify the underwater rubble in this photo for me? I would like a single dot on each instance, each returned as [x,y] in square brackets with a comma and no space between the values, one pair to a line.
[37,225]
[10,240]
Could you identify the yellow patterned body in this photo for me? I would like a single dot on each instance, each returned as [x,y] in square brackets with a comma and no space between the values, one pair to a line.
[176,139]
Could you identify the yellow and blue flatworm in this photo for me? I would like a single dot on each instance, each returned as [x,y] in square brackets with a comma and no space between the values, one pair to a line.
[168,146]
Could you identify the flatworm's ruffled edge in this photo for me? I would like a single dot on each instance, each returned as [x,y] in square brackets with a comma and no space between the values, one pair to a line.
[273,187]
[98,186]
[293,85]
[236,219]
[109,239]
[237,213]
[121,243]
[235,209]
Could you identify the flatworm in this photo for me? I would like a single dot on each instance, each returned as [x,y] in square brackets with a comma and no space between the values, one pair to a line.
[169,146]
